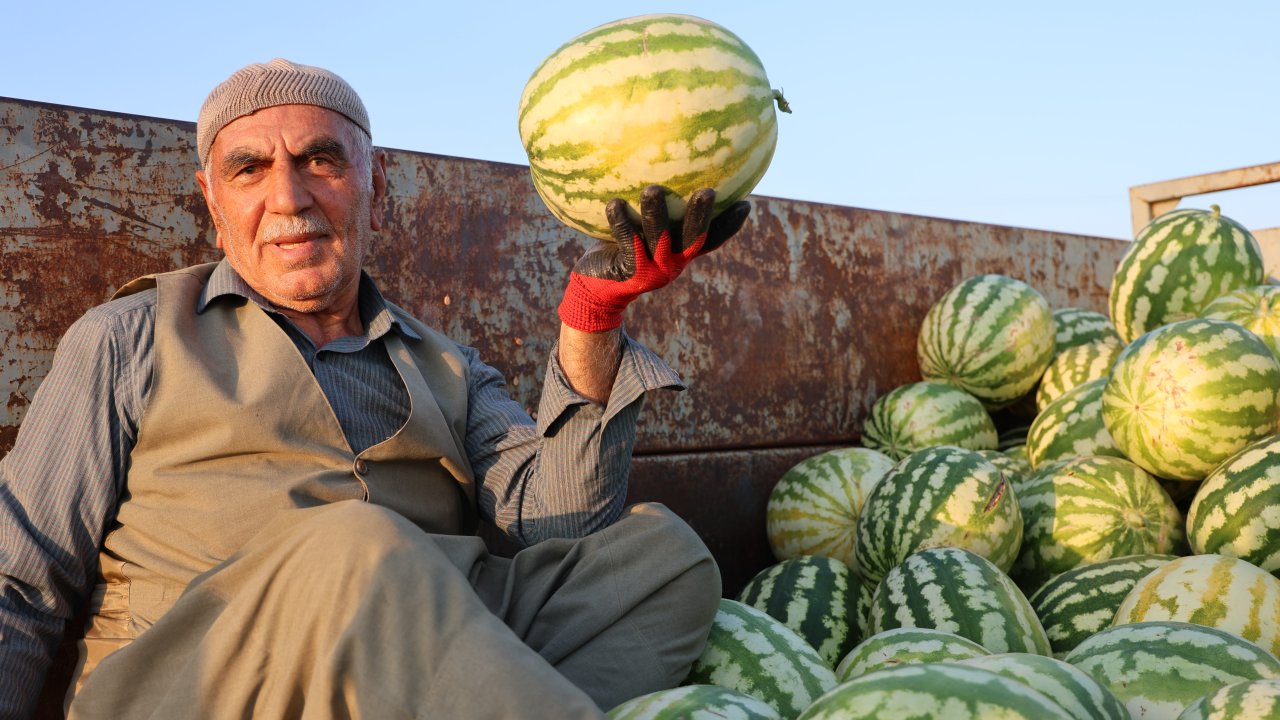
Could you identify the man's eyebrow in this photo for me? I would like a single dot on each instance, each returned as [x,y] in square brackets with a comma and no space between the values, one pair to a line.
[240,157]
[324,146]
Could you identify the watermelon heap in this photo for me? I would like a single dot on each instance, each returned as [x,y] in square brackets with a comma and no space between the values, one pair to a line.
[1113,552]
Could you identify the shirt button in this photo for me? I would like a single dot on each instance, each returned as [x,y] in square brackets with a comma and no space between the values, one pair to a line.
[361,467]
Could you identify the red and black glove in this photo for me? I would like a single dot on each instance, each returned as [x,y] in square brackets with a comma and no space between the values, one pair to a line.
[637,260]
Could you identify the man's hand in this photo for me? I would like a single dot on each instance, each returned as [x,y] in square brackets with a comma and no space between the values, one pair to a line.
[637,260]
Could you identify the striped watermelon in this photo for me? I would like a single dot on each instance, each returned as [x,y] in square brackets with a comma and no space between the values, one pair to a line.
[1250,700]
[814,508]
[934,690]
[694,702]
[906,645]
[1019,455]
[1176,265]
[1157,669]
[1082,601]
[1187,396]
[1071,427]
[1092,509]
[991,335]
[957,591]
[924,414]
[1074,690]
[1014,468]
[1236,510]
[1076,366]
[752,653]
[864,593]
[671,100]
[1211,590]
[814,596]
[1076,326]
[1256,309]
[941,496]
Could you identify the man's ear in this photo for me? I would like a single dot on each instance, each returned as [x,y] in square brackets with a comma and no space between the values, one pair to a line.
[379,189]
[207,192]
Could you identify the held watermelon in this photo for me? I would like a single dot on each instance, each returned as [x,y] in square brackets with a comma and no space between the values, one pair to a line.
[671,100]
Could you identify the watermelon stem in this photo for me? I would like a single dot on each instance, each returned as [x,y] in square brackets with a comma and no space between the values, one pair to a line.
[783,105]
[1216,210]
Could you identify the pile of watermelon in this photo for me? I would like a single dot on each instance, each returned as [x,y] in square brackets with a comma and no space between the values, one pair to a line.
[1072,515]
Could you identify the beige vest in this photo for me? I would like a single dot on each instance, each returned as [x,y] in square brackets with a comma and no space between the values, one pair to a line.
[236,429]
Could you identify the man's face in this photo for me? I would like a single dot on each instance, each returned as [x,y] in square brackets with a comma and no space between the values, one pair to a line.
[295,194]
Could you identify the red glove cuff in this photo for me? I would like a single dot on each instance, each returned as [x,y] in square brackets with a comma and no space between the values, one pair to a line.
[585,308]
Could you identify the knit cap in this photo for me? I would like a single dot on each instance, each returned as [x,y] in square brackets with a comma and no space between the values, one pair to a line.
[279,82]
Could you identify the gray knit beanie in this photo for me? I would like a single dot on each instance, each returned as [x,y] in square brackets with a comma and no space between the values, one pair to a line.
[279,82]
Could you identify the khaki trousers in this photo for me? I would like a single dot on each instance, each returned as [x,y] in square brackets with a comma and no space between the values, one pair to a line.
[349,610]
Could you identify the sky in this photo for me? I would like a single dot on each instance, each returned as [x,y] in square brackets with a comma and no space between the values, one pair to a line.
[1029,114]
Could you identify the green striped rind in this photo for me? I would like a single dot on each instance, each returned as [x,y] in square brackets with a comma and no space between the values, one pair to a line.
[752,653]
[1157,669]
[814,596]
[1071,427]
[1082,601]
[924,414]
[901,646]
[934,690]
[671,100]
[1076,326]
[941,496]
[1211,590]
[957,591]
[1074,690]
[1176,265]
[1236,510]
[1256,309]
[1187,396]
[694,702]
[1076,366]
[814,508]
[991,335]
[1092,509]
[1015,468]
[864,593]
[1252,700]
[1019,453]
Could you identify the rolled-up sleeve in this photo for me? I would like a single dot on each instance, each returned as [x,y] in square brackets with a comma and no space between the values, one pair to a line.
[566,474]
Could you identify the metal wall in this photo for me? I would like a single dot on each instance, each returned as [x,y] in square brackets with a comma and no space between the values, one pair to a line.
[786,335]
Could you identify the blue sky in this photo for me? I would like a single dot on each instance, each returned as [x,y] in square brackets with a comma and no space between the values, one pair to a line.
[1037,115]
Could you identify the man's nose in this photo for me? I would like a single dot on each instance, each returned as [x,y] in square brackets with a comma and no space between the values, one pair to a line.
[287,193]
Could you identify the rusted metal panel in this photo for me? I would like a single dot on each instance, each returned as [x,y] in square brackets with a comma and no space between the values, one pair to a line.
[786,335]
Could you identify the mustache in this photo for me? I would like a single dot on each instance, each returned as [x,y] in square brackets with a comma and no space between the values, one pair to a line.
[292,225]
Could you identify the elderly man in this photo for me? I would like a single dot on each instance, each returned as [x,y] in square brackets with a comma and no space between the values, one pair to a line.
[264,478]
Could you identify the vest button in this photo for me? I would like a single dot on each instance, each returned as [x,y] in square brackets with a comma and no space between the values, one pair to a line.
[361,467]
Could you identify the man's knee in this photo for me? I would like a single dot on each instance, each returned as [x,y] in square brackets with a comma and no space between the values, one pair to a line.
[353,539]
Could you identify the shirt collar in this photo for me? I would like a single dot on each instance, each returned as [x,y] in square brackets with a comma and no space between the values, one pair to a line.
[375,312]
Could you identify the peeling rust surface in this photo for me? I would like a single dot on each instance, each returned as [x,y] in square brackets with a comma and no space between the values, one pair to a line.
[786,335]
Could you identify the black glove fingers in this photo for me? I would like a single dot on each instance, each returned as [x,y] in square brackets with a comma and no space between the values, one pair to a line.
[697,216]
[726,225]
[624,231]
[604,260]
[653,216]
